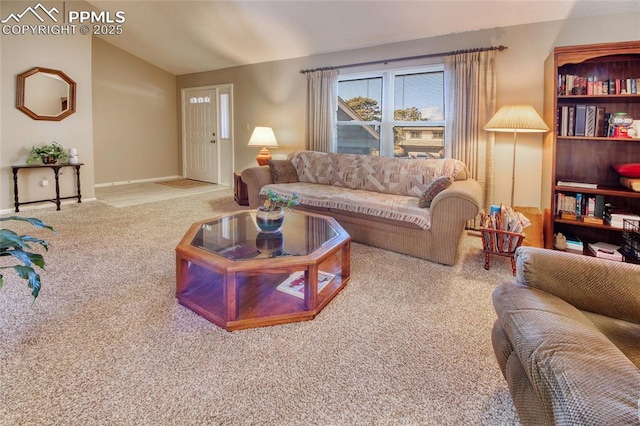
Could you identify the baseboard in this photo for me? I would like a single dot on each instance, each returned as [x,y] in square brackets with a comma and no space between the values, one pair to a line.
[45,205]
[129,182]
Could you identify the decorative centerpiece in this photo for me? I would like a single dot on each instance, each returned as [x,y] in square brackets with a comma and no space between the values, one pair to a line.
[48,154]
[620,122]
[270,216]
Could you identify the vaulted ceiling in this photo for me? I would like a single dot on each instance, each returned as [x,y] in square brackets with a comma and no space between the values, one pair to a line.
[191,36]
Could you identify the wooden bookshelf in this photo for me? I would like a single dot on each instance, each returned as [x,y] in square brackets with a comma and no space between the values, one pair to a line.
[589,158]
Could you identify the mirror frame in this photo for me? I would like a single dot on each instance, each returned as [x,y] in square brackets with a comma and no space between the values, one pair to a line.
[20,88]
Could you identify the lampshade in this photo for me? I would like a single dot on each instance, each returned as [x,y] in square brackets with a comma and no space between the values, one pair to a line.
[264,137]
[517,119]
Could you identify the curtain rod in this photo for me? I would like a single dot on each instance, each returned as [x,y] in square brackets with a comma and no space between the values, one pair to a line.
[407,58]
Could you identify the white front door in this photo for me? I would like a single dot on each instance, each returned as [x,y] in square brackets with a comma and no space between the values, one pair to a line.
[200,132]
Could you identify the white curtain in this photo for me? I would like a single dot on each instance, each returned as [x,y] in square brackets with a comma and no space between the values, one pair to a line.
[322,105]
[470,88]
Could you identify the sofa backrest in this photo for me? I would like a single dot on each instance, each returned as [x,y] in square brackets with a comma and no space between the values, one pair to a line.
[380,174]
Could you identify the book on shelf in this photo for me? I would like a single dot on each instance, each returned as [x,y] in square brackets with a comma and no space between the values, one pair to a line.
[577,205]
[572,85]
[577,184]
[590,121]
[574,244]
[606,251]
[294,285]
[599,126]
[615,217]
[581,120]
[593,219]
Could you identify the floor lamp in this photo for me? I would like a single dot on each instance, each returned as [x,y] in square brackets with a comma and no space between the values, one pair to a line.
[516,119]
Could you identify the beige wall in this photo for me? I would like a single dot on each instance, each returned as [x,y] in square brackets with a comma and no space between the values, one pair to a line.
[134,118]
[18,132]
[273,94]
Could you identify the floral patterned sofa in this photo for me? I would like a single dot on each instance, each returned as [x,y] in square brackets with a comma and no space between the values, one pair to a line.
[416,207]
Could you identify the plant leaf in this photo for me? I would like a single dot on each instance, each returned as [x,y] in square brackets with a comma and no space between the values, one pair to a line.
[9,239]
[31,239]
[32,276]
[32,220]
[22,256]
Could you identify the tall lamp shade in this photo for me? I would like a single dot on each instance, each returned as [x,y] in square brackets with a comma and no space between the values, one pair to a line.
[516,119]
[265,138]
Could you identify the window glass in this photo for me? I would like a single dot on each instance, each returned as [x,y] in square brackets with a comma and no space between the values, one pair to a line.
[359,139]
[360,100]
[225,118]
[405,110]
[419,97]
[419,142]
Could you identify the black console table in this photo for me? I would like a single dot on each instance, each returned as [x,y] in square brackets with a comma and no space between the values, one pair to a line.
[56,171]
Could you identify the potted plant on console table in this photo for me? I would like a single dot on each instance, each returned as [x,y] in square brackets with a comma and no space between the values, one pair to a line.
[48,154]
[270,215]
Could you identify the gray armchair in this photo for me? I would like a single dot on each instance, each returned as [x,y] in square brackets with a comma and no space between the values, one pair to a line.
[567,339]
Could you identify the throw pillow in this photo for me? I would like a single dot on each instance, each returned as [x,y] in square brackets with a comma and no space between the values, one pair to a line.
[632,184]
[630,170]
[283,171]
[434,188]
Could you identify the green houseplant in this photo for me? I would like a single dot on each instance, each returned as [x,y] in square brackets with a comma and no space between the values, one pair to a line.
[17,247]
[270,216]
[48,154]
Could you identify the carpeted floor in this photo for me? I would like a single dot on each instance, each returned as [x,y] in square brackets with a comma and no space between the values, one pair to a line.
[407,342]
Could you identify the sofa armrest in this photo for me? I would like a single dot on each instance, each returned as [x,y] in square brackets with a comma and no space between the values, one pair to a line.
[454,206]
[591,284]
[576,373]
[450,210]
[256,178]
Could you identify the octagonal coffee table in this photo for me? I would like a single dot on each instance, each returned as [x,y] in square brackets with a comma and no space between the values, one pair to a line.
[237,277]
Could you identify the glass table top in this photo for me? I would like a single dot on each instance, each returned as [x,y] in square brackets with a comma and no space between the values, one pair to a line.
[237,236]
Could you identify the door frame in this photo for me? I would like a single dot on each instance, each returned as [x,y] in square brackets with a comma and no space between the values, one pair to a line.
[221,88]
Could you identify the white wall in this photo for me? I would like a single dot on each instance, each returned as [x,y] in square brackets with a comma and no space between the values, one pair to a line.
[19,132]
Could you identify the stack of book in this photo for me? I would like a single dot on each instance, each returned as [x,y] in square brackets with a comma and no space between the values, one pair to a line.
[615,217]
[574,244]
[606,251]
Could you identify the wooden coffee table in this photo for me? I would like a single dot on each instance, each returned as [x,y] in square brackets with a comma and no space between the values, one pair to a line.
[237,277]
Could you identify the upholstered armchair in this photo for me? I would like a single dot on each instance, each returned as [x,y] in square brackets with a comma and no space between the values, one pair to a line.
[567,339]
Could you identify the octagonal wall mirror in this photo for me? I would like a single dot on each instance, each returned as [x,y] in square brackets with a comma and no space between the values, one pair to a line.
[46,94]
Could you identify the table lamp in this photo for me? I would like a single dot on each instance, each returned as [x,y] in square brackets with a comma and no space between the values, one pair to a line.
[516,119]
[265,138]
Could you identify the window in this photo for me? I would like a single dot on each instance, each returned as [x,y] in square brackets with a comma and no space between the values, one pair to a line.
[399,113]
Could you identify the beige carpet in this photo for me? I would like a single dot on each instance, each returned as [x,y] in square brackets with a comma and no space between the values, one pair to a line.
[407,342]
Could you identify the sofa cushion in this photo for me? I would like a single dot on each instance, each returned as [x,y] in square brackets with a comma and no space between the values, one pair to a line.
[390,206]
[312,166]
[380,174]
[434,188]
[283,171]
[630,170]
